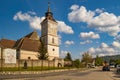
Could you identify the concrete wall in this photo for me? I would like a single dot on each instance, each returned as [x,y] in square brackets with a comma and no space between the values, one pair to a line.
[32,63]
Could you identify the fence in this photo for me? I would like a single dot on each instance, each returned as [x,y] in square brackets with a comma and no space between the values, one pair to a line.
[30,64]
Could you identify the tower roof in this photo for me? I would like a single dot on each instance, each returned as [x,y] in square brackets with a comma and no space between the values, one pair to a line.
[49,14]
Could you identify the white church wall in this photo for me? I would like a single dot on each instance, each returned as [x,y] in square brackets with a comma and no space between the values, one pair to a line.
[50,38]
[53,51]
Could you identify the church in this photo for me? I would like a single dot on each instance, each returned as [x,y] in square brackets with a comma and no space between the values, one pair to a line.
[27,47]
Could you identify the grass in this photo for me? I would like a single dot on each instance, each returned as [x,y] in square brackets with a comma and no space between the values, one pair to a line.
[32,68]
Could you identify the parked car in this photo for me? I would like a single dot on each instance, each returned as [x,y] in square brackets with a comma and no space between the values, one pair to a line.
[89,65]
[106,68]
[112,66]
[118,68]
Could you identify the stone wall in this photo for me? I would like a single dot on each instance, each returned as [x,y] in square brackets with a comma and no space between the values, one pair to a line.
[33,63]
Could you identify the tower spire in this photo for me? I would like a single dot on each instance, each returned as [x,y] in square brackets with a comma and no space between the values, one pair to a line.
[49,14]
[49,7]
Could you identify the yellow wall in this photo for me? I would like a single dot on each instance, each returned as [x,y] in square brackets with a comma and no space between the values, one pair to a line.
[25,54]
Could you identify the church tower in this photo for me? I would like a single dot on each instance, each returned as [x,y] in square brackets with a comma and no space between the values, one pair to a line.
[49,35]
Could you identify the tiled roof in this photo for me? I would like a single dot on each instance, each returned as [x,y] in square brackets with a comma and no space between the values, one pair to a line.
[29,44]
[33,35]
[7,43]
[1,45]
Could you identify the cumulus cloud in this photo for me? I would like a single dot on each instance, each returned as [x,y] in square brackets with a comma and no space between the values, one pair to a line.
[69,42]
[104,21]
[86,42]
[30,12]
[116,44]
[104,45]
[105,50]
[34,21]
[62,27]
[99,10]
[80,14]
[74,7]
[89,35]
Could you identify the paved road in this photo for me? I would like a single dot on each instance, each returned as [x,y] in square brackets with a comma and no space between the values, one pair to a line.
[92,74]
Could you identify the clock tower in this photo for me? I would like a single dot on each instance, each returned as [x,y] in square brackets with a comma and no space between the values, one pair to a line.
[49,35]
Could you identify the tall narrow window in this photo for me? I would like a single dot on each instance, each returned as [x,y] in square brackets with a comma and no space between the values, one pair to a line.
[52,40]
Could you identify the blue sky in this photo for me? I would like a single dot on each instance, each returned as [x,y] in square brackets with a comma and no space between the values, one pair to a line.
[84,25]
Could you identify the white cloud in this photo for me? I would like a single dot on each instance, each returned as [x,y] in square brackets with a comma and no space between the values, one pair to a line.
[74,7]
[89,35]
[60,37]
[34,21]
[80,14]
[91,50]
[86,42]
[104,21]
[99,10]
[69,42]
[63,53]
[103,50]
[30,12]
[104,45]
[62,27]
[116,44]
